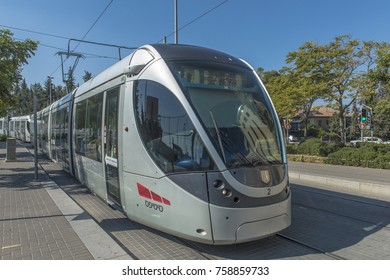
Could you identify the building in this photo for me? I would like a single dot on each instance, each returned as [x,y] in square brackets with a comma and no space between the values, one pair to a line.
[319,117]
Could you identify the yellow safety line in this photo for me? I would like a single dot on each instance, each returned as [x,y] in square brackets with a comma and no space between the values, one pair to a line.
[11,246]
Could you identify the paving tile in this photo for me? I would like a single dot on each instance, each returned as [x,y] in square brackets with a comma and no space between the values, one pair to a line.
[30,220]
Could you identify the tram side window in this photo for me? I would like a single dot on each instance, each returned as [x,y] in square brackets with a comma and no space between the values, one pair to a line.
[63,132]
[45,136]
[17,125]
[166,130]
[53,127]
[93,124]
[88,123]
[80,127]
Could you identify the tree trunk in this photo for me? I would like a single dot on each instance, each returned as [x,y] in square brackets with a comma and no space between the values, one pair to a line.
[342,128]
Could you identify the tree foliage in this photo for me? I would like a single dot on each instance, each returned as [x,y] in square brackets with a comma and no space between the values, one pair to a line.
[87,76]
[382,117]
[277,84]
[14,55]
[340,73]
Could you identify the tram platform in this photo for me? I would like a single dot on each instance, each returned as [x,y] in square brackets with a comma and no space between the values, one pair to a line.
[39,221]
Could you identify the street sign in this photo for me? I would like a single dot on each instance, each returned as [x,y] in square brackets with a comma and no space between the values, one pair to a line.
[288,126]
[362,126]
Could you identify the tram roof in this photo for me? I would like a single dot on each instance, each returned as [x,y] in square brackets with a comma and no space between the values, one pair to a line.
[167,52]
[190,52]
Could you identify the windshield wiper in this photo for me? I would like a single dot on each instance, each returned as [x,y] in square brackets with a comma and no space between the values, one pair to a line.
[238,154]
[224,140]
[219,136]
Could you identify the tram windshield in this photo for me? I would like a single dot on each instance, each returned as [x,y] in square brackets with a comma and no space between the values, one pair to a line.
[234,109]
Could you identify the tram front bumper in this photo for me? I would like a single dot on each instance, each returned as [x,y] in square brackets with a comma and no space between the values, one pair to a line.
[252,230]
[237,225]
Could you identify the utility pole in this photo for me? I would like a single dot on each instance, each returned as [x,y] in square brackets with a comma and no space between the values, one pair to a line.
[50,88]
[35,138]
[176,23]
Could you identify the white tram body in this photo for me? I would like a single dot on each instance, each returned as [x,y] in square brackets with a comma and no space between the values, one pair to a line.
[184,139]
[19,128]
[3,126]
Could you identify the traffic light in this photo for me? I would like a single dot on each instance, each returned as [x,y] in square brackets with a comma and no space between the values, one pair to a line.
[364,114]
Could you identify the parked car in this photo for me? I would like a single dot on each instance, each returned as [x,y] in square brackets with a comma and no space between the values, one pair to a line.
[354,142]
[372,139]
[294,139]
[367,139]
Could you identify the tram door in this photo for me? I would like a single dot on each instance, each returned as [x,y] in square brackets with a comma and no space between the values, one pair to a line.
[111,145]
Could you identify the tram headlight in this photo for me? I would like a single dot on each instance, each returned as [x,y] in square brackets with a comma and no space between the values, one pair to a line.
[226,192]
[218,184]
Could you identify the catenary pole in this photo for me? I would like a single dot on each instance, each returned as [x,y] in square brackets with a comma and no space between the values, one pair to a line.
[35,138]
[176,23]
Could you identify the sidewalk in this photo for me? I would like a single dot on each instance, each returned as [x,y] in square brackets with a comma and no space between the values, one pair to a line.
[38,221]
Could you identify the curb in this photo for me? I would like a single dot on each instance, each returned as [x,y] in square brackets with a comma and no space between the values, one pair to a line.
[98,242]
[358,187]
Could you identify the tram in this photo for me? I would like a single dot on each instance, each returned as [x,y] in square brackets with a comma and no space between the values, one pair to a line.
[3,126]
[19,128]
[183,139]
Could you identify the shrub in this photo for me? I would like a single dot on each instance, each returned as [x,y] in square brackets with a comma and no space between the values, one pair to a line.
[329,148]
[382,161]
[367,155]
[3,137]
[317,147]
[291,149]
[310,147]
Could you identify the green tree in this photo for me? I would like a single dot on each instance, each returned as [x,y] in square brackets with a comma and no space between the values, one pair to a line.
[381,74]
[354,130]
[276,84]
[306,81]
[382,118]
[343,73]
[56,92]
[334,131]
[70,81]
[60,91]
[87,76]
[41,95]
[374,77]
[286,101]
[14,55]
[24,99]
[334,67]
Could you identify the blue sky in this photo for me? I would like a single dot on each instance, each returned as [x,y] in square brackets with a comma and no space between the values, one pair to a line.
[261,32]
